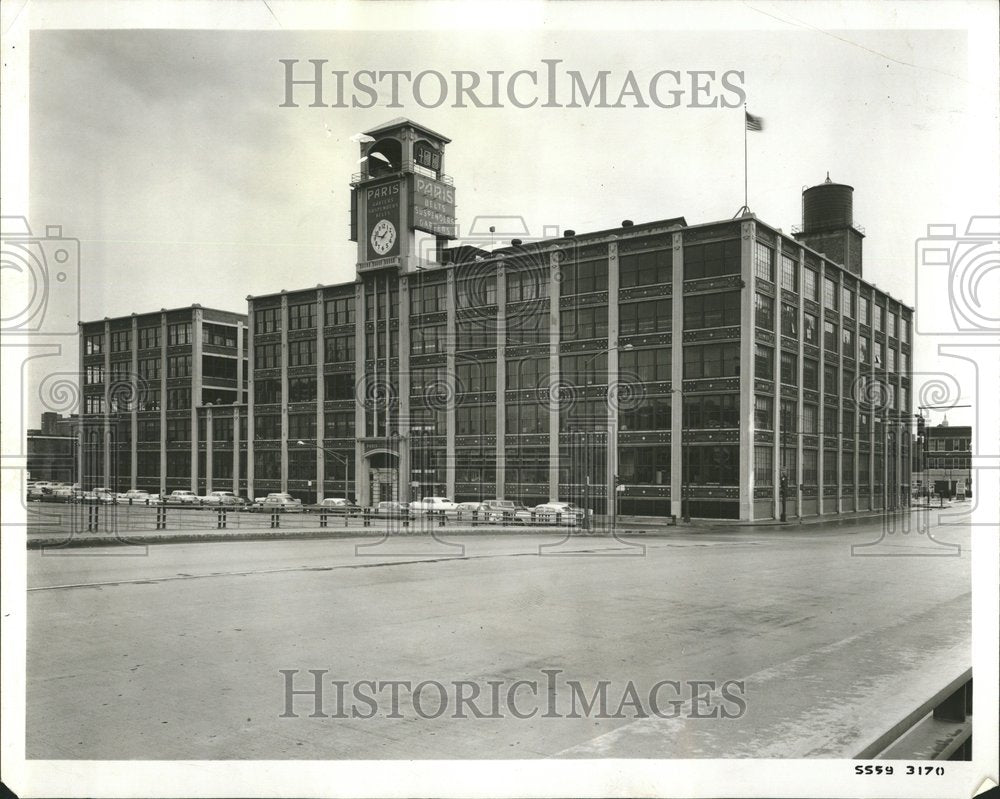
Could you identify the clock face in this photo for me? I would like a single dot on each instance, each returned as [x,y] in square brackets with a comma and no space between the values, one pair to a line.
[383,236]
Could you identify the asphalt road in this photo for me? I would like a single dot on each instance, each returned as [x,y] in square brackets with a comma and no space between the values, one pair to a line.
[812,641]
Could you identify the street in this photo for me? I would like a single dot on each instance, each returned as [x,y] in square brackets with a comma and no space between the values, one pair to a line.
[177,651]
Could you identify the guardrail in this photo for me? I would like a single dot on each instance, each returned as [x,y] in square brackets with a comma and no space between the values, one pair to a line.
[940,728]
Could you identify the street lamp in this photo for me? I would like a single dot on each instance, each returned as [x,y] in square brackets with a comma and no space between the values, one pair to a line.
[337,456]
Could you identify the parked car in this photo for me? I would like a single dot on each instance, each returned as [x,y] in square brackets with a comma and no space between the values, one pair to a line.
[506,510]
[101,496]
[471,511]
[133,497]
[390,509]
[181,497]
[38,489]
[433,505]
[558,513]
[66,493]
[221,499]
[338,505]
[283,503]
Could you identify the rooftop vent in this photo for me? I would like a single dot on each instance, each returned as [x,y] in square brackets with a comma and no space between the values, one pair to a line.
[627,223]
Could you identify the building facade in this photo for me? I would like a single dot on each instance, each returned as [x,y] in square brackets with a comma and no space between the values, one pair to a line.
[942,461]
[724,369]
[150,383]
[52,449]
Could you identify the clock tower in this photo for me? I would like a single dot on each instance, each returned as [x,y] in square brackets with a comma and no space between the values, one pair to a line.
[401,189]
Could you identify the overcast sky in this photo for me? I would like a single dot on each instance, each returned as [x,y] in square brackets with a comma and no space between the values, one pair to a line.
[167,154]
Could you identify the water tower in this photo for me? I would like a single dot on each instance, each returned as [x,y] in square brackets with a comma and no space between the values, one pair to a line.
[828,224]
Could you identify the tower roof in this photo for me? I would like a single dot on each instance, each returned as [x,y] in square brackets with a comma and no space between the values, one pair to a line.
[399,122]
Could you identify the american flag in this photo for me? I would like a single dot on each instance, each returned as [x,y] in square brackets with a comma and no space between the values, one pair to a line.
[754,123]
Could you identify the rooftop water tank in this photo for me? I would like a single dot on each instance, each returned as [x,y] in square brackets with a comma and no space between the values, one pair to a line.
[827,206]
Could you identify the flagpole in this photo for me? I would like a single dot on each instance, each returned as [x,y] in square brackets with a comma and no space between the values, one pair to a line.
[746,182]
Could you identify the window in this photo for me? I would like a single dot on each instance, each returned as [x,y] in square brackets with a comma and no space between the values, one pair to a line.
[712,465]
[789,421]
[149,399]
[810,463]
[527,326]
[339,424]
[789,273]
[527,285]
[847,383]
[428,299]
[121,340]
[179,334]
[178,398]
[830,383]
[847,338]
[525,373]
[763,466]
[847,468]
[645,268]
[302,389]
[847,302]
[339,349]
[302,317]
[652,413]
[711,310]
[713,259]
[829,468]
[179,366]
[646,317]
[789,320]
[810,285]
[763,412]
[476,377]
[764,311]
[339,311]
[425,340]
[810,374]
[830,293]
[339,386]
[646,366]
[891,359]
[904,364]
[94,374]
[709,411]
[302,352]
[904,330]
[179,430]
[583,323]
[267,356]
[93,344]
[645,465]
[93,404]
[892,329]
[810,330]
[864,349]
[267,426]
[830,337]
[475,420]
[879,317]
[789,369]
[847,425]
[864,312]
[712,360]
[149,368]
[475,290]
[763,262]
[149,430]
[149,338]
[763,362]
[476,333]
[267,391]
[302,425]
[810,419]
[583,278]
[219,335]
[523,418]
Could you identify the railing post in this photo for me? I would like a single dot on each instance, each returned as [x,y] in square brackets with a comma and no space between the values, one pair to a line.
[275,521]
[161,517]
[322,518]
[366,517]
[220,519]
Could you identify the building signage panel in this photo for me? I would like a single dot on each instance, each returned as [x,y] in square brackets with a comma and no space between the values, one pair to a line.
[382,219]
[432,206]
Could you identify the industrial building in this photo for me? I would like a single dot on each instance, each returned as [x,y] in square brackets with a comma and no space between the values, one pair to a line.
[942,460]
[721,369]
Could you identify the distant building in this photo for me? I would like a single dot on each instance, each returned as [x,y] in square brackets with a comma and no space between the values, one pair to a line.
[942,461]
[52,449]
[144,377]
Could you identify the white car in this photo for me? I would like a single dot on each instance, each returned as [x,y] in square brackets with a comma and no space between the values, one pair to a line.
[221,498]
[433,505]
[283,503]
[505,510]
[339,505]
[180,497]
[102,496]
[134,497]
[38,489]
[558,513]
